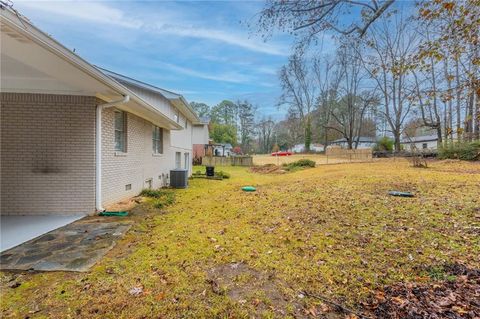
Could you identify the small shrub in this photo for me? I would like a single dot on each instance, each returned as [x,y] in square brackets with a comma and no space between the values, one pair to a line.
[222,174]
[384,144]
[160,197]
[467,151]
[303,163]
[155,193]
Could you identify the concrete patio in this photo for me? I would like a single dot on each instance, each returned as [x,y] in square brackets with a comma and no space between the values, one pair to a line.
[15,229]
[73,247]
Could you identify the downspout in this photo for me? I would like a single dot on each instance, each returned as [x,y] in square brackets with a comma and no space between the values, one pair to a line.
[98,149]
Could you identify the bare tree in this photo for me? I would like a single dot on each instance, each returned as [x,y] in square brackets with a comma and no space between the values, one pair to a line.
[265,128]
[391,44]
[349,111]
[307,18]
[327,81]
[299,92]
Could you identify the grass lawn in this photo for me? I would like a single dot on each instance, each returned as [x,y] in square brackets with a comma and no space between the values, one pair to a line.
[219,252]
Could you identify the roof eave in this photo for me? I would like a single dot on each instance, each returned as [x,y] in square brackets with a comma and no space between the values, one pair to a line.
[24,26]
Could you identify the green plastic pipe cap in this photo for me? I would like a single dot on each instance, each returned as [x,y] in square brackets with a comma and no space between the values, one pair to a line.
[118,214]
[248,189]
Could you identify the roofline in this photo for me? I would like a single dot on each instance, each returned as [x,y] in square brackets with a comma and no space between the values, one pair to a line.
[420,140]
[157,90]
[353,140]
[21,24]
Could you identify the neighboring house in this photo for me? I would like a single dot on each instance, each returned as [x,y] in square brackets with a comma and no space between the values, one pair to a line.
[222,149]
[421,143]
[200,138]
[300,148]
[317,147]
[76,138]
[363,142]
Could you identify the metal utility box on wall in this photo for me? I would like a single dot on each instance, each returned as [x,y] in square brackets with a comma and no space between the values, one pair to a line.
[179,178]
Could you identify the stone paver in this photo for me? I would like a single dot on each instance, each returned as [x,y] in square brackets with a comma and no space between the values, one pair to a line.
[74,247]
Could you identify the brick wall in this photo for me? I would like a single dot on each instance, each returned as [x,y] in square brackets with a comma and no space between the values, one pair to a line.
[47,154]
[138,164]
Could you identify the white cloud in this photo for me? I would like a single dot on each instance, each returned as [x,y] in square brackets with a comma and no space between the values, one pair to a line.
[102,13]
[221,36]
[266,70]
[232,77]
[89,11]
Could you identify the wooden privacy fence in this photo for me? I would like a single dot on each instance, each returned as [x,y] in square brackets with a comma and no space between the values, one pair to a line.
[351,155]
[227,161]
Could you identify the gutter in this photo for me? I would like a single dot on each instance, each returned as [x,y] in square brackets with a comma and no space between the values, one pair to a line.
[22,25]
[98,148]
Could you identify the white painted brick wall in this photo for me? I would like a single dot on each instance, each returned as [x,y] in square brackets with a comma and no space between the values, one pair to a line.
[139,163]
[47,154]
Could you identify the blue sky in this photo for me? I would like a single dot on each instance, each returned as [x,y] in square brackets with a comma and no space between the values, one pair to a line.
[200,49]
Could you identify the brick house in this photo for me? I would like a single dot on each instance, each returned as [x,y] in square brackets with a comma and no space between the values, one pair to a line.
[76,138]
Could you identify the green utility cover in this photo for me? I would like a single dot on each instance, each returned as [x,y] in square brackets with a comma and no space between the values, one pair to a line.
[248,189]
[119,214]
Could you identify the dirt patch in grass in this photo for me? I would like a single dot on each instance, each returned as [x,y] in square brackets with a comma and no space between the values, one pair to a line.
[455,293]
[268,169]
[263,294]
[254,289]
[124,205]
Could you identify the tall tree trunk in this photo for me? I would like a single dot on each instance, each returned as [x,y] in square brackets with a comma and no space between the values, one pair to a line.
[448,126]
[458,106]
[397,144]
[477,111]
[469,114]
[308,134]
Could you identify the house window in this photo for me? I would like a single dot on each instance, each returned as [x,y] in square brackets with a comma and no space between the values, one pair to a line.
[187,160]
[148,183]
[186,123]
[120,131]
[157,140]
[424,146]
[176,117]
[178,160]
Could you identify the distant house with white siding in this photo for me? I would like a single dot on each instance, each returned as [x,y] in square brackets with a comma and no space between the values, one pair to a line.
[421,143]
[363,142]
[315,147]
[222,149]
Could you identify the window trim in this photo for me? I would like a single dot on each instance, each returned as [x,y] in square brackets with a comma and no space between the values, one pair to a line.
[176,116]
[157,149]
[186,160]
[179,166]
[124,132]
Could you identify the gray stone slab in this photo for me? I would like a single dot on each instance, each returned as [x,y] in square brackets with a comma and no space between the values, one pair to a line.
[74,247]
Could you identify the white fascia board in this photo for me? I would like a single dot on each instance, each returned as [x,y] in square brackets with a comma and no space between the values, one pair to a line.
[24,27]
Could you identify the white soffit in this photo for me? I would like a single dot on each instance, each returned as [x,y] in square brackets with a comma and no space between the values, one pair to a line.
[28,67]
